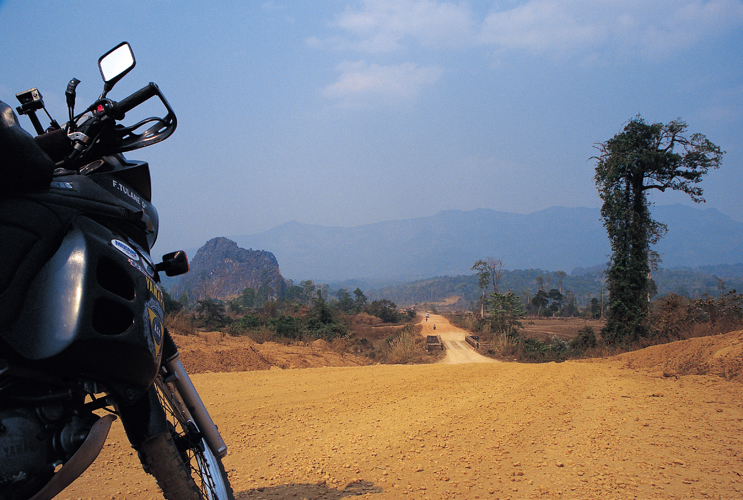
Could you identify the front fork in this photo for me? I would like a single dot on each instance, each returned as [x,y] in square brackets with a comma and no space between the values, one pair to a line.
[192,407]
[145,418]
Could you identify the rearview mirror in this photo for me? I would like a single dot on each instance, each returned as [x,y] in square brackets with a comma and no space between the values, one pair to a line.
[116,63]
[173,264]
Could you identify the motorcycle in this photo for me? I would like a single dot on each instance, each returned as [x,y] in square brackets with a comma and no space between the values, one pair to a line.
[82,339]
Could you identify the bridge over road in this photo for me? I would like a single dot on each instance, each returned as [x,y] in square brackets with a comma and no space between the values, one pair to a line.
[457,350]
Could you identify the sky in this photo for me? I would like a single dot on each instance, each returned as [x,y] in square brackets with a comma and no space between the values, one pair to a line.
[342,113]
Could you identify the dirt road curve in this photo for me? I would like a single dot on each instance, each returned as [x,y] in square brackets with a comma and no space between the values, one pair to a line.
[457,350]
[466,431]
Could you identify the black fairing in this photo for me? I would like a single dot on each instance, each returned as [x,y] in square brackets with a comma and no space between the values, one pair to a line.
[84,302]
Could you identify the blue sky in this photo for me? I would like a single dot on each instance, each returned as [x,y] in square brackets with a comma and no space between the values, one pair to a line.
[353,112]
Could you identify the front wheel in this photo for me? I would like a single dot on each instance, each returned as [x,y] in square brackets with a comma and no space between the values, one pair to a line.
[181,461]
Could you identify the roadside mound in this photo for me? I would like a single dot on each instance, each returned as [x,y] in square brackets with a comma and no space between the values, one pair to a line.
[720,355]
[216,352]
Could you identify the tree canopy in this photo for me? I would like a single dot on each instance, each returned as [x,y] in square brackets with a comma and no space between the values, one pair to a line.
[641,158]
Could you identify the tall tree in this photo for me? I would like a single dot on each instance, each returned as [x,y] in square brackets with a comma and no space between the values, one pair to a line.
[489,269]
[540,301]
[506,312]
[639,159]
[360,299]
[483,278]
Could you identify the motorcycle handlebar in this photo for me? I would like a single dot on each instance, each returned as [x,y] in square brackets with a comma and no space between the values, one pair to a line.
[138,97]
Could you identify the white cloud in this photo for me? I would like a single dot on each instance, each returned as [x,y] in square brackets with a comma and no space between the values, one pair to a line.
[562,27]
[589,30]
[360,82]
[634,27]
[383,25]
[539,26]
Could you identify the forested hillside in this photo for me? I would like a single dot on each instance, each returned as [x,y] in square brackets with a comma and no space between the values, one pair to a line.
[583,286]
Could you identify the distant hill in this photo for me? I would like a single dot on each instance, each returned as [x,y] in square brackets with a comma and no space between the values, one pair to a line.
[448,243]
[222,270]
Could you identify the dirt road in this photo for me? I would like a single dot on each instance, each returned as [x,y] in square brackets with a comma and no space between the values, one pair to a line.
[605,429]
[457,350]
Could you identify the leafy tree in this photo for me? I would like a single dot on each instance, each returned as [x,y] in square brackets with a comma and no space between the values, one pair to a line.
[344,302]
[321,323]
[586,339]
[308,291]
[293,294]
[250,321]
[360,299]
[506,311]
[211,312]
[641,158]
[247,298]
[571,308]
[385,310]
[320,314]
[234,305]
[556,298]
[489,269]
[595,308]
[560,276]
[540,300]
[286,326]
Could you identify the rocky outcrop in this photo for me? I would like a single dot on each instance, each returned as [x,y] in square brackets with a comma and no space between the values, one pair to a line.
[222,270]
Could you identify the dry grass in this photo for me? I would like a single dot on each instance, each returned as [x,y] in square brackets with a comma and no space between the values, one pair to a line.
[373,333]
[407,347]
[365,319]
[260,335]
[566,328]
[212,337]
[180,323]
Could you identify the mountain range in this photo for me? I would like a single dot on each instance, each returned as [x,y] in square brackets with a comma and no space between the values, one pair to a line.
[449,243]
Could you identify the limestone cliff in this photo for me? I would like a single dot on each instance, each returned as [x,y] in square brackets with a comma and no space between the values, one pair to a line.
[222,270]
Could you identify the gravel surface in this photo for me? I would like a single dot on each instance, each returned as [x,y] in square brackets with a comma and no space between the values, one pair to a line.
[633,426]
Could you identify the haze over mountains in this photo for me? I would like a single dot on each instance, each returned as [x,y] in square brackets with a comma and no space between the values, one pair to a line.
[449,242]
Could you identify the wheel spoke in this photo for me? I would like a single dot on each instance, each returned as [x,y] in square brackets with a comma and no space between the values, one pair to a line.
[206,469]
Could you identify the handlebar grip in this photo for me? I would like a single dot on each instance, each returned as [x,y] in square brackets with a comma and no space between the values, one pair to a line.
[138,97]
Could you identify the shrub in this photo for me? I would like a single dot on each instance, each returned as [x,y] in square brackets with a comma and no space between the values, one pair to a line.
[286,326]
[385,310]
[670,317]
[586,339]
[260,335]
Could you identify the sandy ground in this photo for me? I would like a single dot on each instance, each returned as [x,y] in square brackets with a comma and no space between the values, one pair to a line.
[633,426]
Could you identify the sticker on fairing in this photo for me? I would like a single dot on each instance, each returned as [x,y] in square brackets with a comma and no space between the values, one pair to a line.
[62,185]
[156,292]
[136,266]
[156,329]
[125,249]
[149,266]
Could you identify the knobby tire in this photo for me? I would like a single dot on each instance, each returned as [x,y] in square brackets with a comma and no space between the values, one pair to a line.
[180,460]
